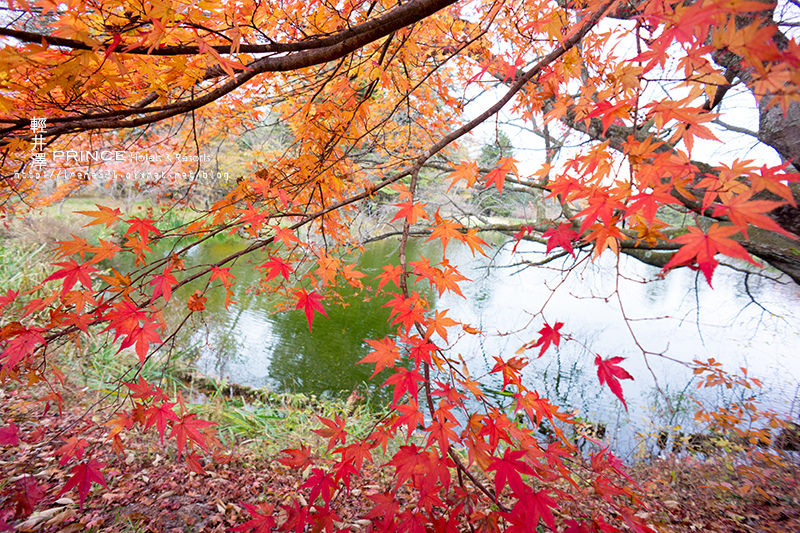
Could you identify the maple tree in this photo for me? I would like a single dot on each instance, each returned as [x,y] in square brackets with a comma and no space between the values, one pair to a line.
[373,99]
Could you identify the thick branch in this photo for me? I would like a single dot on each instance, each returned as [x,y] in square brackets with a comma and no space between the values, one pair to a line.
[338,46]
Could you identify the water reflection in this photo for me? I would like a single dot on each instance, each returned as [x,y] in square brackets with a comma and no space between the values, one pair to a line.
[251,344]
[763,338]
[325,361]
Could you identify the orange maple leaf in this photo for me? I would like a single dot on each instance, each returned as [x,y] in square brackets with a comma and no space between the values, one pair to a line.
[506,166]
[444,230]
[466,170]
[411,211]
[384,353]
[104,215]
[743,211]
[197,302]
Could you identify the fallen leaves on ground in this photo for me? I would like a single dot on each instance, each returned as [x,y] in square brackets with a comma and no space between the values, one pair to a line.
[149,488]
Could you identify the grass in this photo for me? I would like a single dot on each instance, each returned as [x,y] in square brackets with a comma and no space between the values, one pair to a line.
[21,266]
[264,421]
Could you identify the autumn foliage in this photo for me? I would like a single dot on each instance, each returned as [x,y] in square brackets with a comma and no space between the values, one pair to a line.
[373,97]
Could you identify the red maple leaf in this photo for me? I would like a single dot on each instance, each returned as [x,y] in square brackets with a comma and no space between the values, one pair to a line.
[537,408]
[223,274]
[334,430]
[190,427]
[254,218]
[420,350]
[410,417]
[562,236]
[20,347]
[609,112]
[276,266]
[385,508]
[124,318]
[309,302]
[440,431]
[194,463]
[72,448]
[83,475]
[548,335]
[321,485]
[141,337]
[532,506]
[648,203]
[700,247]
[523,230]
[564,187]
[27,494]
[116,38]
[609,372]
[141,390]
[9,435]
[573,526]
[510,369]
[296,458]
[296,516]
[159,415]
[495,426]
[162,284]
[509,469]
[262,521]
[406,310]
[404,380]
[143,227]
[601,206]
[8,298]
[356,454]
[72,272]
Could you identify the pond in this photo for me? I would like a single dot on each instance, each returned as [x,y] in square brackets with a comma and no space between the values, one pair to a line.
[755,326]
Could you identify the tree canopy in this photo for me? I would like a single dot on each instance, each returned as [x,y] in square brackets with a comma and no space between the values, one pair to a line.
[328,111]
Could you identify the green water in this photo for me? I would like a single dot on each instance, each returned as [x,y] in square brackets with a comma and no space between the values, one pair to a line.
[253,344]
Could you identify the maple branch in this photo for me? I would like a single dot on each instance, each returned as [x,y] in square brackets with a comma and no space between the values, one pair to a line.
[775,249]
[772,247]
[737,129]
[410,12]
[343,43]
[778,128]
[460,467]
[655,254]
